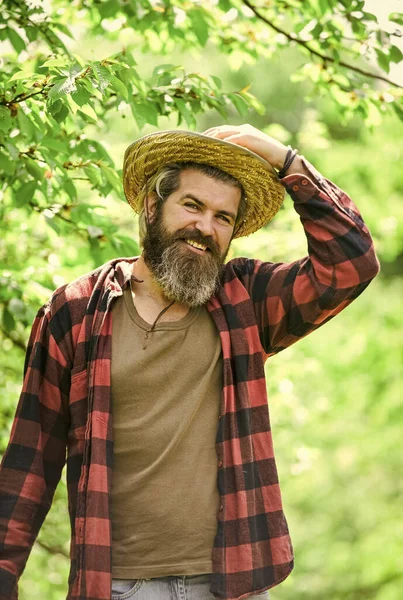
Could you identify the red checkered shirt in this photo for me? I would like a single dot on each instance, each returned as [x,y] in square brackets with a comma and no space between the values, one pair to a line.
[64,411]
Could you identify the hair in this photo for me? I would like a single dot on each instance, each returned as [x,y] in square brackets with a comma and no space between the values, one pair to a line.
[167,180]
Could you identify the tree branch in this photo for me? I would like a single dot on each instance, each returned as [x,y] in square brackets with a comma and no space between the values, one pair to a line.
[22,98]
[325,58]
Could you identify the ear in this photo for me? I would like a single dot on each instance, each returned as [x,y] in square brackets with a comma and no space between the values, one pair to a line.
[150,206]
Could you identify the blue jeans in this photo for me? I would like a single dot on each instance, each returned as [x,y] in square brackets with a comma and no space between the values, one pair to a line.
[184,587]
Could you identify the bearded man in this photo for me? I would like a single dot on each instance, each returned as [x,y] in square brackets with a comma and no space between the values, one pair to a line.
[150,371]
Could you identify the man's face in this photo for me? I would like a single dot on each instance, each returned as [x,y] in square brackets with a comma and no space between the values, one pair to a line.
[202,211]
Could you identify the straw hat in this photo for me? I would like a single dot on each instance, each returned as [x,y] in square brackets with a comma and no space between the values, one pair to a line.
[263,190]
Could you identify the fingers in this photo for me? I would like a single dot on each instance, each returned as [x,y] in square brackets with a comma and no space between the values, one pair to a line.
[223,131]
[230,135]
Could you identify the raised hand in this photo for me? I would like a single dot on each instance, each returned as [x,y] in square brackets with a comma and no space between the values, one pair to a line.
[255,140]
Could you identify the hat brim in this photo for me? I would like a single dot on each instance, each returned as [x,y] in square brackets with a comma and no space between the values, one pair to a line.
[263,189]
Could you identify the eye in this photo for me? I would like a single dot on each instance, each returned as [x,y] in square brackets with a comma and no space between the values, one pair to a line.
[191,205]
[225,219]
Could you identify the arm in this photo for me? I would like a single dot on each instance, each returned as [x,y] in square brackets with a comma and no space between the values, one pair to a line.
[293,299]
[36,452]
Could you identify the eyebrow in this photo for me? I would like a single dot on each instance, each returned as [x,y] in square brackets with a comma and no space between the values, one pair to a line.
[202,204]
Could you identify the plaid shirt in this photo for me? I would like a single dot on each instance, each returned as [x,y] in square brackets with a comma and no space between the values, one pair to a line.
[260,309]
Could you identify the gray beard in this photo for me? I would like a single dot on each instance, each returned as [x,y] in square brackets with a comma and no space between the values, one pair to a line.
[186,277]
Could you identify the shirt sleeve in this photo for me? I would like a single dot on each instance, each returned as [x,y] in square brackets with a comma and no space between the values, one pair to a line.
[293,299]
[35,456]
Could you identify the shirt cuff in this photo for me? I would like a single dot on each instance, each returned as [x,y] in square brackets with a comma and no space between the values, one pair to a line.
[303,186]
[311,180]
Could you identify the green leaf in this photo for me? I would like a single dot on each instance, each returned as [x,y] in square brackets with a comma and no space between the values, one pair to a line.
[64,30]
[70,189]
[31,33]
[108,9]
[80,60]
[253,102]
[396,17]
[25,193]
[55,107]
[16,40]
[147,112]
[89,111]
[90,87]
[102,75]
[112,177]
[165,68]
[5,119]
[217,81]
[61,88]
[321,7]
[398,110]
[185,112]
[240,104]
[34,169]
[55,145]
[27,127]
[225,5]
[119,87]
[395,54]
[81,95]
[71,104]
[218,106]
[383,60]
[20,75]
[56,62]
[12,150]
[199,25]
[358,28]
[62,113]
[369,17]
[94,175]
[6,165]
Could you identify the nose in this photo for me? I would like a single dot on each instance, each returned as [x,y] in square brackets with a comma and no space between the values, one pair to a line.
[204,224]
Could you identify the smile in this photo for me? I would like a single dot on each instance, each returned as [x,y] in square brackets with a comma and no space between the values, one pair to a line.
[196,246]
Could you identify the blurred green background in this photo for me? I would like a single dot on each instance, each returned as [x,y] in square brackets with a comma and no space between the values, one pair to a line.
[335,398]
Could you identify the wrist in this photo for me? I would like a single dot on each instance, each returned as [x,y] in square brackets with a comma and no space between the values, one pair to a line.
[289,159]
[281,159]
[295,167]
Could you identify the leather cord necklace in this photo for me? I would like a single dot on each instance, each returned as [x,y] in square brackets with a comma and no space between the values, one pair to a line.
[148,331]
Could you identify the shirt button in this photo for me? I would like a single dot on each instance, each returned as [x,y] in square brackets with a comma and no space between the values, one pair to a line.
[221,507]
[295,188]
[219,417]
[220,463]
[304,181]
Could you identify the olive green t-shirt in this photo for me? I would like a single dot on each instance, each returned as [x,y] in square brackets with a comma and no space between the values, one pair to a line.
[165,407]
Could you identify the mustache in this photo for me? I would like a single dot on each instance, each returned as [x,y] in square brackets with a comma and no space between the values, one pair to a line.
[194,235]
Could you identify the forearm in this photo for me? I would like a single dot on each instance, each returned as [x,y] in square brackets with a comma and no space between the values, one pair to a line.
[336,233]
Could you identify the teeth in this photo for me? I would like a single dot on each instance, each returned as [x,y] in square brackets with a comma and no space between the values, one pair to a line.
[196,245]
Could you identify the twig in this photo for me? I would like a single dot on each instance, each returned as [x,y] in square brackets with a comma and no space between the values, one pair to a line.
[323,57]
